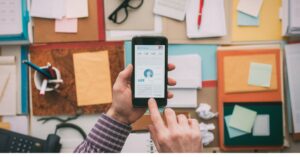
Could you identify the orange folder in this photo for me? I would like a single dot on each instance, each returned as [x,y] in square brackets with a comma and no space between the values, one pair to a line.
[262,96]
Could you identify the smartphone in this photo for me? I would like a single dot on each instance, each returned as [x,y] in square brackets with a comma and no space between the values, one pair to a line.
[150,63]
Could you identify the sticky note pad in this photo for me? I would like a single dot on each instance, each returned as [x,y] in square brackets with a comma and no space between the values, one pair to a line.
[261,126]
[242,118]
[260,74]
[232,131]
[92,78]
[247,20]
[66,25]
[251,7]
[76,8]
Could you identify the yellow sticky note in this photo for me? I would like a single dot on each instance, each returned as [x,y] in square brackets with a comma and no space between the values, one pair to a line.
[4,125]
[92,77]
[268,29]
[237,69]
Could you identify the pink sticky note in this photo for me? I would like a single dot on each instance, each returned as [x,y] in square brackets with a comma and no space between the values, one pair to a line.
[66,25]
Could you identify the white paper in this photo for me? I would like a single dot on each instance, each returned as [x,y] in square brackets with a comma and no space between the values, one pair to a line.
[187,72]
[292,53]
[139,143]
[261,126]
[213,22]
[8,101]
[206,135]
[10,17]
[183,98]
[250,7]
[18,124]
[295,15]
[204,111]
[117,35]
[52,9]
[77,8]
[3,82]
[175,9]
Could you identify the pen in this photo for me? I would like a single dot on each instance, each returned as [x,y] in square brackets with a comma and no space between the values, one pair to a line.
[43,87]
[200,13]
[38,69]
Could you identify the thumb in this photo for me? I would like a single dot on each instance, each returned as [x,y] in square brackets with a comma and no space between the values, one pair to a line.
[125,75]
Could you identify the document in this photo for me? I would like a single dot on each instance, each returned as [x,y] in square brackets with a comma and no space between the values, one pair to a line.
[92,77]
[8,99]
[66,25]
[10,17]
[18,123]
[292,62]
[139,143]
[188,72]
[53,9]
[183,98]
[174,9]
[77,8]
[213,22]
[250,7]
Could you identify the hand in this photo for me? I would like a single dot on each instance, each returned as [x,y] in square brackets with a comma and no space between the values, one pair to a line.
[180,134]
[122,109]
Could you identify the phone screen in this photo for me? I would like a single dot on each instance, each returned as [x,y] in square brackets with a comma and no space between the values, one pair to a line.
[149,71]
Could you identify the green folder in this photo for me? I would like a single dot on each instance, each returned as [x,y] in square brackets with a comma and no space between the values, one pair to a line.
[274,109]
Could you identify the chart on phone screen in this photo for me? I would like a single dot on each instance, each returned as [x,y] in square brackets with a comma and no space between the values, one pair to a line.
[149,71]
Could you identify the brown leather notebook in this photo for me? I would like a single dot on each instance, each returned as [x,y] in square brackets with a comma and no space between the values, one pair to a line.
[63,101]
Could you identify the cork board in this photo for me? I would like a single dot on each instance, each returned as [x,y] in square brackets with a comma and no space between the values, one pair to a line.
[63,100]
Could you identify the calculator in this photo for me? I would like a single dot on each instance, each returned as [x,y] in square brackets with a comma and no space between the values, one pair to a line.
[12,142]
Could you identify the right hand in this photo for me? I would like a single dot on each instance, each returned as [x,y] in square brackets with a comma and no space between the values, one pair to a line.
[180,134]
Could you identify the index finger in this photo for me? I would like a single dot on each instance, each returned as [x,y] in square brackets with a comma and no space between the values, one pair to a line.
[156,118]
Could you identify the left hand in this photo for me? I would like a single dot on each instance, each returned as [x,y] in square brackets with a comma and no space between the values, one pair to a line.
[122,109]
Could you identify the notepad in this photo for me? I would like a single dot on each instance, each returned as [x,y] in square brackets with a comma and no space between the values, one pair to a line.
[66,25]
[247,20]
[242,118]
[53,9]
[213,22]
[260,74]
[77,8]
[261,126]
[92,77]
[8,99]
[171,8]
[3,82]
[10,17]
[188,71]
[250,7]
[232,131]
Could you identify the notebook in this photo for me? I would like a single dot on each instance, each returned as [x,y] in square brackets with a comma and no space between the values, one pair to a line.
[61,57]
[174,9]
[139,143]
[213,22]
[11,17]
[8,85]
[187,72]
[292,62]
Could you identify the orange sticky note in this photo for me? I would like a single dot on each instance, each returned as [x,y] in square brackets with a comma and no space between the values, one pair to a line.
[236,72]
[5,125]
[92,78]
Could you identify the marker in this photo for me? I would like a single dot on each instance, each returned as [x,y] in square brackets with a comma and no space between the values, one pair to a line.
[38,69]
[51,71]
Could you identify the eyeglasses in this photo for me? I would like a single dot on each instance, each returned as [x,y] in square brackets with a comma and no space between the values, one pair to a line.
[120,14]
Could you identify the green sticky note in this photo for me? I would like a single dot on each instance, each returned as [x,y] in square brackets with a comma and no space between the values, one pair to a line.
[260,74]
[242,118]
[247,20]
[232,131]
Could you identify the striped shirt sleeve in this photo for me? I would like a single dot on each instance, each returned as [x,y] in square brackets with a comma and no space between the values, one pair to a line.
[107,136]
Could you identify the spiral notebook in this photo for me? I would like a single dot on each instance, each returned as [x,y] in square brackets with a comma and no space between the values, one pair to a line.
[139,143]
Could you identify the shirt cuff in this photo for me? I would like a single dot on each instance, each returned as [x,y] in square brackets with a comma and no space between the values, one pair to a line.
[108,135]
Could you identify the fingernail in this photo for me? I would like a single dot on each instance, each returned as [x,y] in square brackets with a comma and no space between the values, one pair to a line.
[151,100]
